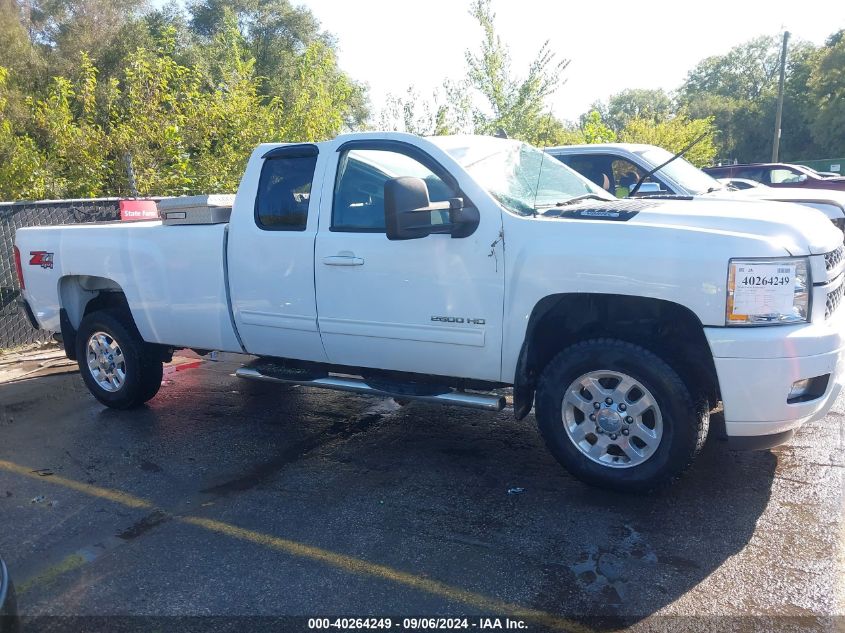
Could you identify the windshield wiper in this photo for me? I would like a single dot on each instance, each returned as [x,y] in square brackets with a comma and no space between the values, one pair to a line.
[573,200]
[651,172]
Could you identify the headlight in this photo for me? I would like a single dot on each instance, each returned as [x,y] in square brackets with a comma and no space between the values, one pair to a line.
[768,291]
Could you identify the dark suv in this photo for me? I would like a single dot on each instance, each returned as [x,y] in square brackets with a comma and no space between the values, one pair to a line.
[778,175]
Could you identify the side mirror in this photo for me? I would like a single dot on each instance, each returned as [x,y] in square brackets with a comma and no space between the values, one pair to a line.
[802,178]
[408,211]
[649,187]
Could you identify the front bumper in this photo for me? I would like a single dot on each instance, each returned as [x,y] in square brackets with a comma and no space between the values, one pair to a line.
[757,367]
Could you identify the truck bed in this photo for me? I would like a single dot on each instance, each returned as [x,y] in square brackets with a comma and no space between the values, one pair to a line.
[173,276]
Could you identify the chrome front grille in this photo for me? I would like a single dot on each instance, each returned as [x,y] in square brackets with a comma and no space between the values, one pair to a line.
[834,298]
[833,258]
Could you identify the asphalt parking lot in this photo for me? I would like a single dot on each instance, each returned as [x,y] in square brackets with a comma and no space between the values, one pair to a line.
[229,498]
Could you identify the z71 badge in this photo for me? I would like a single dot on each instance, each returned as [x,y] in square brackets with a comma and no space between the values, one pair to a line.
[41,258]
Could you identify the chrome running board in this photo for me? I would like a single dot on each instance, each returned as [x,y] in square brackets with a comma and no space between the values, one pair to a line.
[357,385]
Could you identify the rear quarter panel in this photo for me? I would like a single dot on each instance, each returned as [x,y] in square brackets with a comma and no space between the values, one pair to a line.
[172,276]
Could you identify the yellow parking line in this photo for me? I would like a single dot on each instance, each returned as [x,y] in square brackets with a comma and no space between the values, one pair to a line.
[49,575]
[340,561]
[366,568]
[95,491]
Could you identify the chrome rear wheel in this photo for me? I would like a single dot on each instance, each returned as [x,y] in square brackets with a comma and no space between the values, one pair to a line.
[118,367]
[106,362]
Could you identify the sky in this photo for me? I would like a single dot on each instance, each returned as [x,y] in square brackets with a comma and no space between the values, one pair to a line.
[612,45]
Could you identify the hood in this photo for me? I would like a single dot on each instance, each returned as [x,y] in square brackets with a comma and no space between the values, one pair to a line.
[799,230]
[829,201]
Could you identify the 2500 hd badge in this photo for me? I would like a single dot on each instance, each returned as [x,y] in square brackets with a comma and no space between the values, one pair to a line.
[449,319]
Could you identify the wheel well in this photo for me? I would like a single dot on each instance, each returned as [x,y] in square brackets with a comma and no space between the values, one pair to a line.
[109,300]
[667,329]
[83,294]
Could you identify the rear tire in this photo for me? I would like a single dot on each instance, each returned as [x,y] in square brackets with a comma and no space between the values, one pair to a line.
[117,366]
[617,416]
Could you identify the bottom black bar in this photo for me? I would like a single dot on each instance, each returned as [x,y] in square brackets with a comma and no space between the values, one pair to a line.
[545,622]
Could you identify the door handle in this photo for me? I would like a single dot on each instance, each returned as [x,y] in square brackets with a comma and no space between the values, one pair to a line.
[344,258]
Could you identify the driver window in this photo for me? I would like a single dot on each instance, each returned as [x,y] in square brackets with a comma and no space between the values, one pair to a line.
[593,168]
[358,204]
[625,176]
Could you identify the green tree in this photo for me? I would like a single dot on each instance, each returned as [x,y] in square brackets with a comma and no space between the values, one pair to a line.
[594,129]
[284,39]
[827,85]
[407,113]
[637,103]
[21,163]
[150,113]
[317,99]
[229,121]
[514,105]
[447,111]
[26,66]
[746,71]
[739,91]
[674,134]
[74,147]
[64,29]
[179,96]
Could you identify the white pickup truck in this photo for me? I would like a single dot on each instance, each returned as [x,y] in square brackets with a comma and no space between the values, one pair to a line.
[446,268]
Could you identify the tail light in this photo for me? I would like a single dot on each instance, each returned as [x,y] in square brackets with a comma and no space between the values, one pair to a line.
[19,268]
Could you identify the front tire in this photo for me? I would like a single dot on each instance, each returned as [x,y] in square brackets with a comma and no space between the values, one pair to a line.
[617,416]
[114,361]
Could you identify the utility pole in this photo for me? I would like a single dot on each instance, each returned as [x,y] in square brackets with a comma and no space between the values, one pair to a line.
[130,174]
[776,143]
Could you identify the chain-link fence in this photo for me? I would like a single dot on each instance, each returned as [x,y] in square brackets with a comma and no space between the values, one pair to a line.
[15,330]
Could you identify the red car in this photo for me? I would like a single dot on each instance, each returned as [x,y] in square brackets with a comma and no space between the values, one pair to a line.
[779,175]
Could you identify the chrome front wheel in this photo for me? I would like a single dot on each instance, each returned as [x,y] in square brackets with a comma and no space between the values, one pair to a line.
[612,418]
[618,416]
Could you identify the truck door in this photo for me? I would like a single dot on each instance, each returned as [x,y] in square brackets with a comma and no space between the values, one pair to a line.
[271,256]
[430,305]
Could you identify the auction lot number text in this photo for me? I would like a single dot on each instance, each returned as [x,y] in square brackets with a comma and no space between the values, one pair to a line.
[415,624]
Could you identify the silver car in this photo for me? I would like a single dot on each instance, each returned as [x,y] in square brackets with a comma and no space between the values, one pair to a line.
[614,166]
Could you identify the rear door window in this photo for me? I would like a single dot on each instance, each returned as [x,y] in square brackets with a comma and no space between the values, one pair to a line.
[284,192]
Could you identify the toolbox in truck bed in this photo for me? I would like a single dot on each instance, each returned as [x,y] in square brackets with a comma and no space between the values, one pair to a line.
[205,209]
